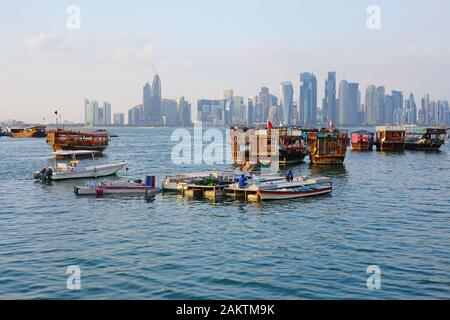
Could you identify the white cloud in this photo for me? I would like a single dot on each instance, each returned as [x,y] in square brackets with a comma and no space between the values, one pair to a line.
[44,42]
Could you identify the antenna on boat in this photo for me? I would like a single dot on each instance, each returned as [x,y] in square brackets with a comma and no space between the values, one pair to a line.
[56,114]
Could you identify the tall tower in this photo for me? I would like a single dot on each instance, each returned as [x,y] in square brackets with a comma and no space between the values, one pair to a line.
[146,103]
[155,101]
[287,103]
[348,103]
[329,108]
[308,98]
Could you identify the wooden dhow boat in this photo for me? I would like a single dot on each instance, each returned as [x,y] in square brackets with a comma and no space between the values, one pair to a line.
[61,139]
[362,141]
[424,138]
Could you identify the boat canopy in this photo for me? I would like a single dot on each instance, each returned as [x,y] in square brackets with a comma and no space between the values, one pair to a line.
[74,152]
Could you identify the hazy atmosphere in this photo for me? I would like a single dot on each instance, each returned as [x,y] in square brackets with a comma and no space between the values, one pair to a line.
[200,48]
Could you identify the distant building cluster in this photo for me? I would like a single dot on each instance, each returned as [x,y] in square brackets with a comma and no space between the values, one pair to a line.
[96,114]
[342,105]
[156,110]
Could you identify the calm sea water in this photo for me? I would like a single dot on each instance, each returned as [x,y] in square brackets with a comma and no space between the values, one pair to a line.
[390,210]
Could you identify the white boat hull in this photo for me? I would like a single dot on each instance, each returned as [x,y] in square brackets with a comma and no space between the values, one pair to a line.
[89,172]
[283,194]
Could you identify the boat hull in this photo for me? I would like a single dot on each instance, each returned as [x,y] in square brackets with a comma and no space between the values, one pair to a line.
[114,189]
[362,146]
[423,146]
[90,172]
[327,159]
[390,146]
[291,194]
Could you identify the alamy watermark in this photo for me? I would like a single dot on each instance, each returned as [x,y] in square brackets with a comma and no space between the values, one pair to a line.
[374,280]
[373,21]
[73,21]
[73,282]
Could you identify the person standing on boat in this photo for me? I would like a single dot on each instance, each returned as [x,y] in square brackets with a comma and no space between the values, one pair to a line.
[242,181]
[289,176]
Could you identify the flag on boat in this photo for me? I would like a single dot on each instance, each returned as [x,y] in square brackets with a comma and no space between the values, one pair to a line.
[269,125]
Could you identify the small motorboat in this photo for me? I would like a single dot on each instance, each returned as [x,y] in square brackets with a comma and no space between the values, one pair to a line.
[298,188]
[179,181]
[145,187]
[74,169]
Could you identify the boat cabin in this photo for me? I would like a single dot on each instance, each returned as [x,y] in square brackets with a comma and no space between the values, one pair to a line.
[390,138]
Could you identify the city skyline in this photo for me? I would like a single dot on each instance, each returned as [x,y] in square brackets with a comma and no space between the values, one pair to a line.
[112,54]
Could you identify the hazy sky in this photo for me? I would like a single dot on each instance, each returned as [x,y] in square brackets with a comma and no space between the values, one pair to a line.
[200,47]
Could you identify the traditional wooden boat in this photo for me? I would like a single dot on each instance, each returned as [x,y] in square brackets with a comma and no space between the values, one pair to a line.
[424,138]
[63,169]
[327,146]
[299,188]
[254,147]
[61,139]
[362,141]
[28,132]
[144,187]
[390,138]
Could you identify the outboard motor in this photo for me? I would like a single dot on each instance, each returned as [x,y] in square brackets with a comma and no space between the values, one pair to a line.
[40,174]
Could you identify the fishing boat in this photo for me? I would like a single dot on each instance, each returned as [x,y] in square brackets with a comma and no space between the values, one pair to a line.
[63,169]
[424,138]
[327,145]
[61,139]
[362,141]
[390,138]
[144,187]
[28,132]
[256,147]
[298,188]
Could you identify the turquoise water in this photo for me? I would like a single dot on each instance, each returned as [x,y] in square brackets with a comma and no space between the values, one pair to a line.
[390,210]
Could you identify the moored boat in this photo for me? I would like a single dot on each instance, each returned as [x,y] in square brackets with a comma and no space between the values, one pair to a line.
[362,141]
[299,188]
[28,132]
[424,138]
[390,138]
[145,187]
[63,169]
[327,146]
[61,139]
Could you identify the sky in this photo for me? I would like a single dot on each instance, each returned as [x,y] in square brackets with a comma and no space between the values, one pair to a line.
[201,47]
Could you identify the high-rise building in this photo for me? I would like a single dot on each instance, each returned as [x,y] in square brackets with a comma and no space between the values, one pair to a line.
[136,115]
[106,113]
[265,101]
[423,116]
[155,101]
[119,119]
[375,106]
[348,103]
[308,98]
[389,109]
[397,101]
[410,111]
[169,112]
[184,112]
[250,112]
[329,107]
[91,112]
[146,98]
[287,103]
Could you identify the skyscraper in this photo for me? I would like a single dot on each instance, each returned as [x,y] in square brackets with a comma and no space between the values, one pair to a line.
[308,98]
[348,103]
[91,112]
[389,110]
[265,101]
[329,108]
[375,106]
[146,98]
[184,112]
[410,111]
[106,113]
[287,95]
[119,119]
[155,101]
[397,101]
[169,112]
